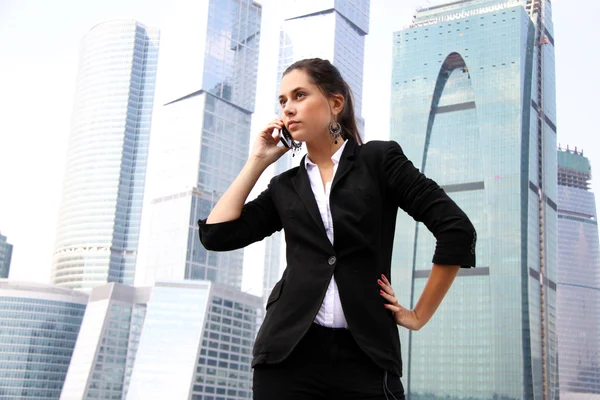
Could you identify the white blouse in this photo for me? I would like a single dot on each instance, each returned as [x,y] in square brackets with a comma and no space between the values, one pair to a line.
[331,313]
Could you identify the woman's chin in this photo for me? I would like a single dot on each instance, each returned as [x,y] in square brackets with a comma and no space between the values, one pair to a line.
[298,137]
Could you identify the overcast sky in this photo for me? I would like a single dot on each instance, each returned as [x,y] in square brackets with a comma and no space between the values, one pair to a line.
[39,43]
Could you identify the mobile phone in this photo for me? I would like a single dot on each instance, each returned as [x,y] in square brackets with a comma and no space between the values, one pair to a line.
[285,137]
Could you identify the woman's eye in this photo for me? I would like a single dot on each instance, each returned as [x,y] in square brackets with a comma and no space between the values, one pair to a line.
[281,103]
[300,94]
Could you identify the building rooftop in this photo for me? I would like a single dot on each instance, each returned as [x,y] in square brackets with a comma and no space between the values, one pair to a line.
[574,168]
[452,10]
[10,288]
[574,159]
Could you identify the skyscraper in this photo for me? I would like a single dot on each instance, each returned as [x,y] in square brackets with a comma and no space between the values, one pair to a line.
[5,256]
[107,344]
[200,137]
[196,343]
[578,284]
[330,29]
[99,217]
[39,325]
[473,106]
[341,26]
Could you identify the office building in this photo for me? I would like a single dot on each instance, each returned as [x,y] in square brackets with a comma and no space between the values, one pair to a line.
[473,106]
[5,256]
[99,219]
[206,89]
[196,343]
[105,352]
[578,280]
[39,325]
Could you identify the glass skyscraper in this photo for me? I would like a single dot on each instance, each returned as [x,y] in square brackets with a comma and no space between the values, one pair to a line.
[200,137]
[176,340]
[578,285]
[334,30]
[329,29]
[39,325]
[5,256]
[196,343]
[106,348]
[473,106]
[99,218]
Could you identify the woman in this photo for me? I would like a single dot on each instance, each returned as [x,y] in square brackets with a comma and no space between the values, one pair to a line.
[330,331]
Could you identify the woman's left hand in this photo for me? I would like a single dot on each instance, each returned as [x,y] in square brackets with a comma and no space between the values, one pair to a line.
[402,316]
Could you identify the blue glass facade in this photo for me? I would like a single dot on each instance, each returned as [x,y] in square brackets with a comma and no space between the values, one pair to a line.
[39,325]
[100,213]
[5,256]
[473,106]
[578,285]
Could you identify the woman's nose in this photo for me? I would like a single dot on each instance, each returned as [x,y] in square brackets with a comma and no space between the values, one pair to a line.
[288,110]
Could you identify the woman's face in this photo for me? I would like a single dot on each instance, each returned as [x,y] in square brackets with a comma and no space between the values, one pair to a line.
[306,111]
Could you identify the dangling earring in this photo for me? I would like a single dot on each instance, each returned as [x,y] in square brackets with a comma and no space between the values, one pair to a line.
[296,146]
[335,130]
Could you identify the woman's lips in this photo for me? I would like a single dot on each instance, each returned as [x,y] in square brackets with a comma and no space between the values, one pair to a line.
[292,124]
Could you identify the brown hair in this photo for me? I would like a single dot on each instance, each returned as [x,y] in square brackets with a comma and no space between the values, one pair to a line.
[329,80]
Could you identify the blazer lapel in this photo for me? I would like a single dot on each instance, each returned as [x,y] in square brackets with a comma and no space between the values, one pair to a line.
[346,162]
[301,184]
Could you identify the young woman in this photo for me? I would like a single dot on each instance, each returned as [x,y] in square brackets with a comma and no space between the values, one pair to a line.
[330,331]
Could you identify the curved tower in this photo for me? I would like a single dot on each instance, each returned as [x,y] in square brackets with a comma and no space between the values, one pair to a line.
[99,217]
[473,106]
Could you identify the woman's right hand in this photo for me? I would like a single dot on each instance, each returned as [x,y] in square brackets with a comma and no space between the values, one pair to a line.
[266,146]
[265,151]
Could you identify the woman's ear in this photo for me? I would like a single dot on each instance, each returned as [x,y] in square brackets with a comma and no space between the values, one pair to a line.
[336,103]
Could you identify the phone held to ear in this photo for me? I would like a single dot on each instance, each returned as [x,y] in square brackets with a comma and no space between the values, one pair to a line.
[285,137]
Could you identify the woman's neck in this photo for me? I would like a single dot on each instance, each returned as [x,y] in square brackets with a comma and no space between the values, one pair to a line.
[321,152]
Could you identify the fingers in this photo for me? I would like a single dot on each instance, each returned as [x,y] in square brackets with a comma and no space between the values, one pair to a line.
[385,285]
[274,124]
[277,121]
[388,294]
[385,280]
[389,297]
[270,128]
[393,308]
[271,133]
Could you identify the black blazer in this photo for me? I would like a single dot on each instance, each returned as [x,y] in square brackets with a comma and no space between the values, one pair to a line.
[371,182]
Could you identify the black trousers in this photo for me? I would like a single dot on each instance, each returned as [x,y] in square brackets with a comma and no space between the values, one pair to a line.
[326,364]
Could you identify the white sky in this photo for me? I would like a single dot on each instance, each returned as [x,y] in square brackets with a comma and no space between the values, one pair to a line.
[39,43]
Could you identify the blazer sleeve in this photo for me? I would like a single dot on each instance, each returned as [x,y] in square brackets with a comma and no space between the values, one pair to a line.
[258,220]
[426,202]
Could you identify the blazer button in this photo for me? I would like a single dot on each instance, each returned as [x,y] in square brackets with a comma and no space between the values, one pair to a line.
[331,260]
